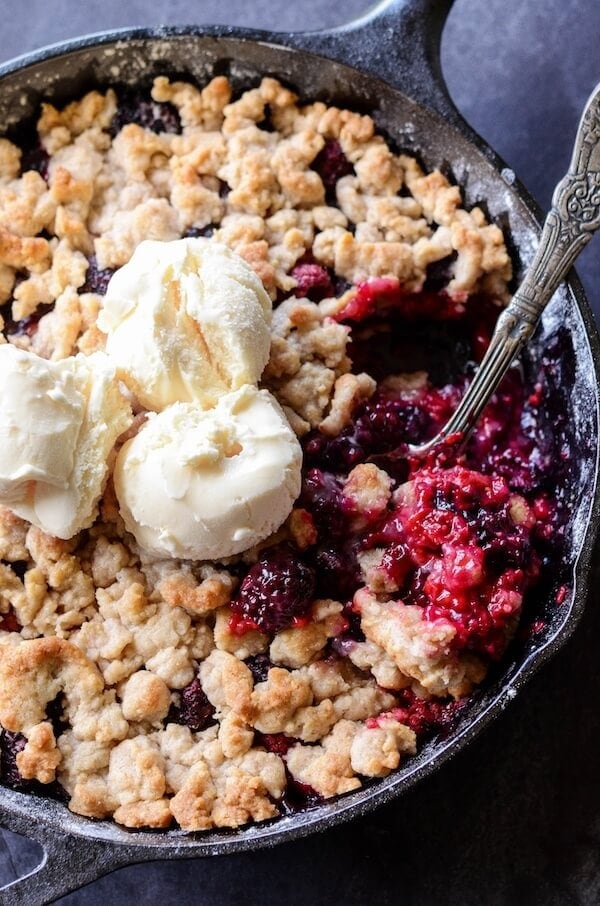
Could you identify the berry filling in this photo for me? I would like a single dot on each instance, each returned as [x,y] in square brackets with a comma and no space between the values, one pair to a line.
[194,710]
[10,746]
[423,716]
[465,542]
[276,593]
[312,281]
[96,279]
[331,164]
[138,107]
[28,326]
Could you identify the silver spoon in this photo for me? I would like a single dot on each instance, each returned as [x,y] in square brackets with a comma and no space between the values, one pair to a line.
[573,217]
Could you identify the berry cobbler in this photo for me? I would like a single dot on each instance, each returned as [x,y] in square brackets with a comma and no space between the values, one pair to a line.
[162,690]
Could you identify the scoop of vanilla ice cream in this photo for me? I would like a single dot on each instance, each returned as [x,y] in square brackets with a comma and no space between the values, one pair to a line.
[207,484]
[41,412]
[186,321]
[58,424]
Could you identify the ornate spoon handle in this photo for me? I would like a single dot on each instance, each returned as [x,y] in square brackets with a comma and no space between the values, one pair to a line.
[573,217]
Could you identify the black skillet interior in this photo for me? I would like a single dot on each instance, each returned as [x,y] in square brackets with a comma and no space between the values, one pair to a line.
[390,55]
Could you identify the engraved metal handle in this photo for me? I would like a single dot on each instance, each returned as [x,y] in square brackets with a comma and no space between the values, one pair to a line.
[573,217]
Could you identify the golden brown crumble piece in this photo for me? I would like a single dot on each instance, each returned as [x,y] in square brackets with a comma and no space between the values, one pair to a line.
[367,490]
[420,649]
[13,532]
[40,757]
[182,590]
[376,751]
[327,768]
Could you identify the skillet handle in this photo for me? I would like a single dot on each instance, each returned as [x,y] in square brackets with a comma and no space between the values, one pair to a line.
[397,40]
[67,864]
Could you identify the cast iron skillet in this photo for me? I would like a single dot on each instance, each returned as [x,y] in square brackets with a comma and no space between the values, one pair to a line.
[386,63]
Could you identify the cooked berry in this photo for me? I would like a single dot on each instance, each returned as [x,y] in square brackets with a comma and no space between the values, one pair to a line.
[312,282]
[380,425]
[55,714]
[276,591]
[322,495]
[331,164]
[439,274]
[138,107]
[337,570]
[423,716]
[10,746]
[343,643]
[96,280]
[380,295]
[298,797]
[195,710]
[260,665]
[28,326]
[195,232]
[9,622]
[275,742]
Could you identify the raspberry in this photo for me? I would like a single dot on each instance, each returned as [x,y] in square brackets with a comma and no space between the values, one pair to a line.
[276,591]
[312,282]
[422,716]
[379,295]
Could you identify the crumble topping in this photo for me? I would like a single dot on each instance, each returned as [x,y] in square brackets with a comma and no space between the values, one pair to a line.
[180,692]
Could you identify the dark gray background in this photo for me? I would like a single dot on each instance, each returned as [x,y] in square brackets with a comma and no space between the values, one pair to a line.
[516,818]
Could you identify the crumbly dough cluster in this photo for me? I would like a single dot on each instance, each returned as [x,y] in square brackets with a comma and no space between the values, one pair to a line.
[119,636]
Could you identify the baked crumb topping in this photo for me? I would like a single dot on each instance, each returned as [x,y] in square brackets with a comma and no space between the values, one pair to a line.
[155,691]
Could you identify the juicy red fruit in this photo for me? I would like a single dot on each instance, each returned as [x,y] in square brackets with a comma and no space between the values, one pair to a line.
[195,710]
[380,295]
[331,164]
[275,593]
[312,282]
[423,716]
[9,622]
[276,742]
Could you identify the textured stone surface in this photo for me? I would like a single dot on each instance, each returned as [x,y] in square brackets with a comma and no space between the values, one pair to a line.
[515,819]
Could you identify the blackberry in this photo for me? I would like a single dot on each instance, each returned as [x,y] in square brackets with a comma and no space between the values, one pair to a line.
[277,590]
[96,280]
[137,107]
[331,164]
[195,710]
